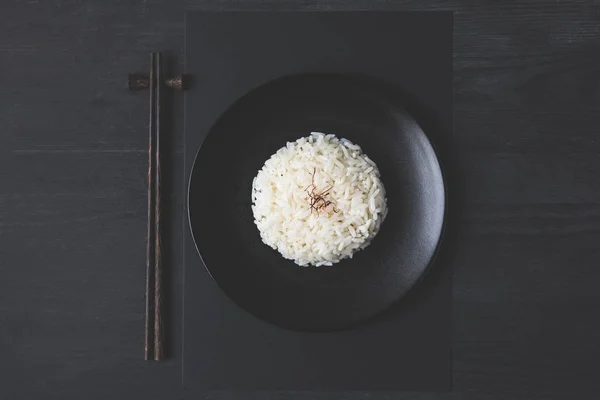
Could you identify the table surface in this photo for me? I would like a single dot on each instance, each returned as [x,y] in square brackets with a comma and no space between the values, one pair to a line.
[73,198]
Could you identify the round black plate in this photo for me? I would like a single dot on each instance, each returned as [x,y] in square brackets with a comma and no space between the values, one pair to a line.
[256,277]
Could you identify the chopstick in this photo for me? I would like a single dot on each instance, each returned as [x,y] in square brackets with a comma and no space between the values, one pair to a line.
[149,327]
[158,259]
[153,327]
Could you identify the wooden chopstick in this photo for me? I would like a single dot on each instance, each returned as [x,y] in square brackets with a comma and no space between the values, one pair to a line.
[158,255]
[149,326]
[155,81]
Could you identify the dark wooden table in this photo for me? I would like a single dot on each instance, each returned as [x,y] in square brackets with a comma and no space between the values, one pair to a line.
[73,198]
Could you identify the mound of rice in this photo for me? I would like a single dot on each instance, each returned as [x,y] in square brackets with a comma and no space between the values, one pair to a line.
[349,215]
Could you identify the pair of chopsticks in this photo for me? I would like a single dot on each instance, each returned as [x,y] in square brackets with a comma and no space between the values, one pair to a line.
[153,328]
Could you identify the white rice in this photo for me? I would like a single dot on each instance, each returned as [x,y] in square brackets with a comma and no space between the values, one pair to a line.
[281,200]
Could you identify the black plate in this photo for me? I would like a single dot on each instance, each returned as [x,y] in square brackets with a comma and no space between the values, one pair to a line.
[256,277]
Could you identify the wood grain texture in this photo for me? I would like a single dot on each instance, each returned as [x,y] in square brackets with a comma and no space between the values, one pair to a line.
[72,199]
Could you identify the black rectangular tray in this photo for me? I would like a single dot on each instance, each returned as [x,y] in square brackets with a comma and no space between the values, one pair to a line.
[229,53]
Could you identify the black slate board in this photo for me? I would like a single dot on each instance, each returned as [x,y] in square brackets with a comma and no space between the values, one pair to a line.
[228,54]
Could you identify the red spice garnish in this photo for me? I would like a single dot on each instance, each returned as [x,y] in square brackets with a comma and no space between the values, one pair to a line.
[318,201]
